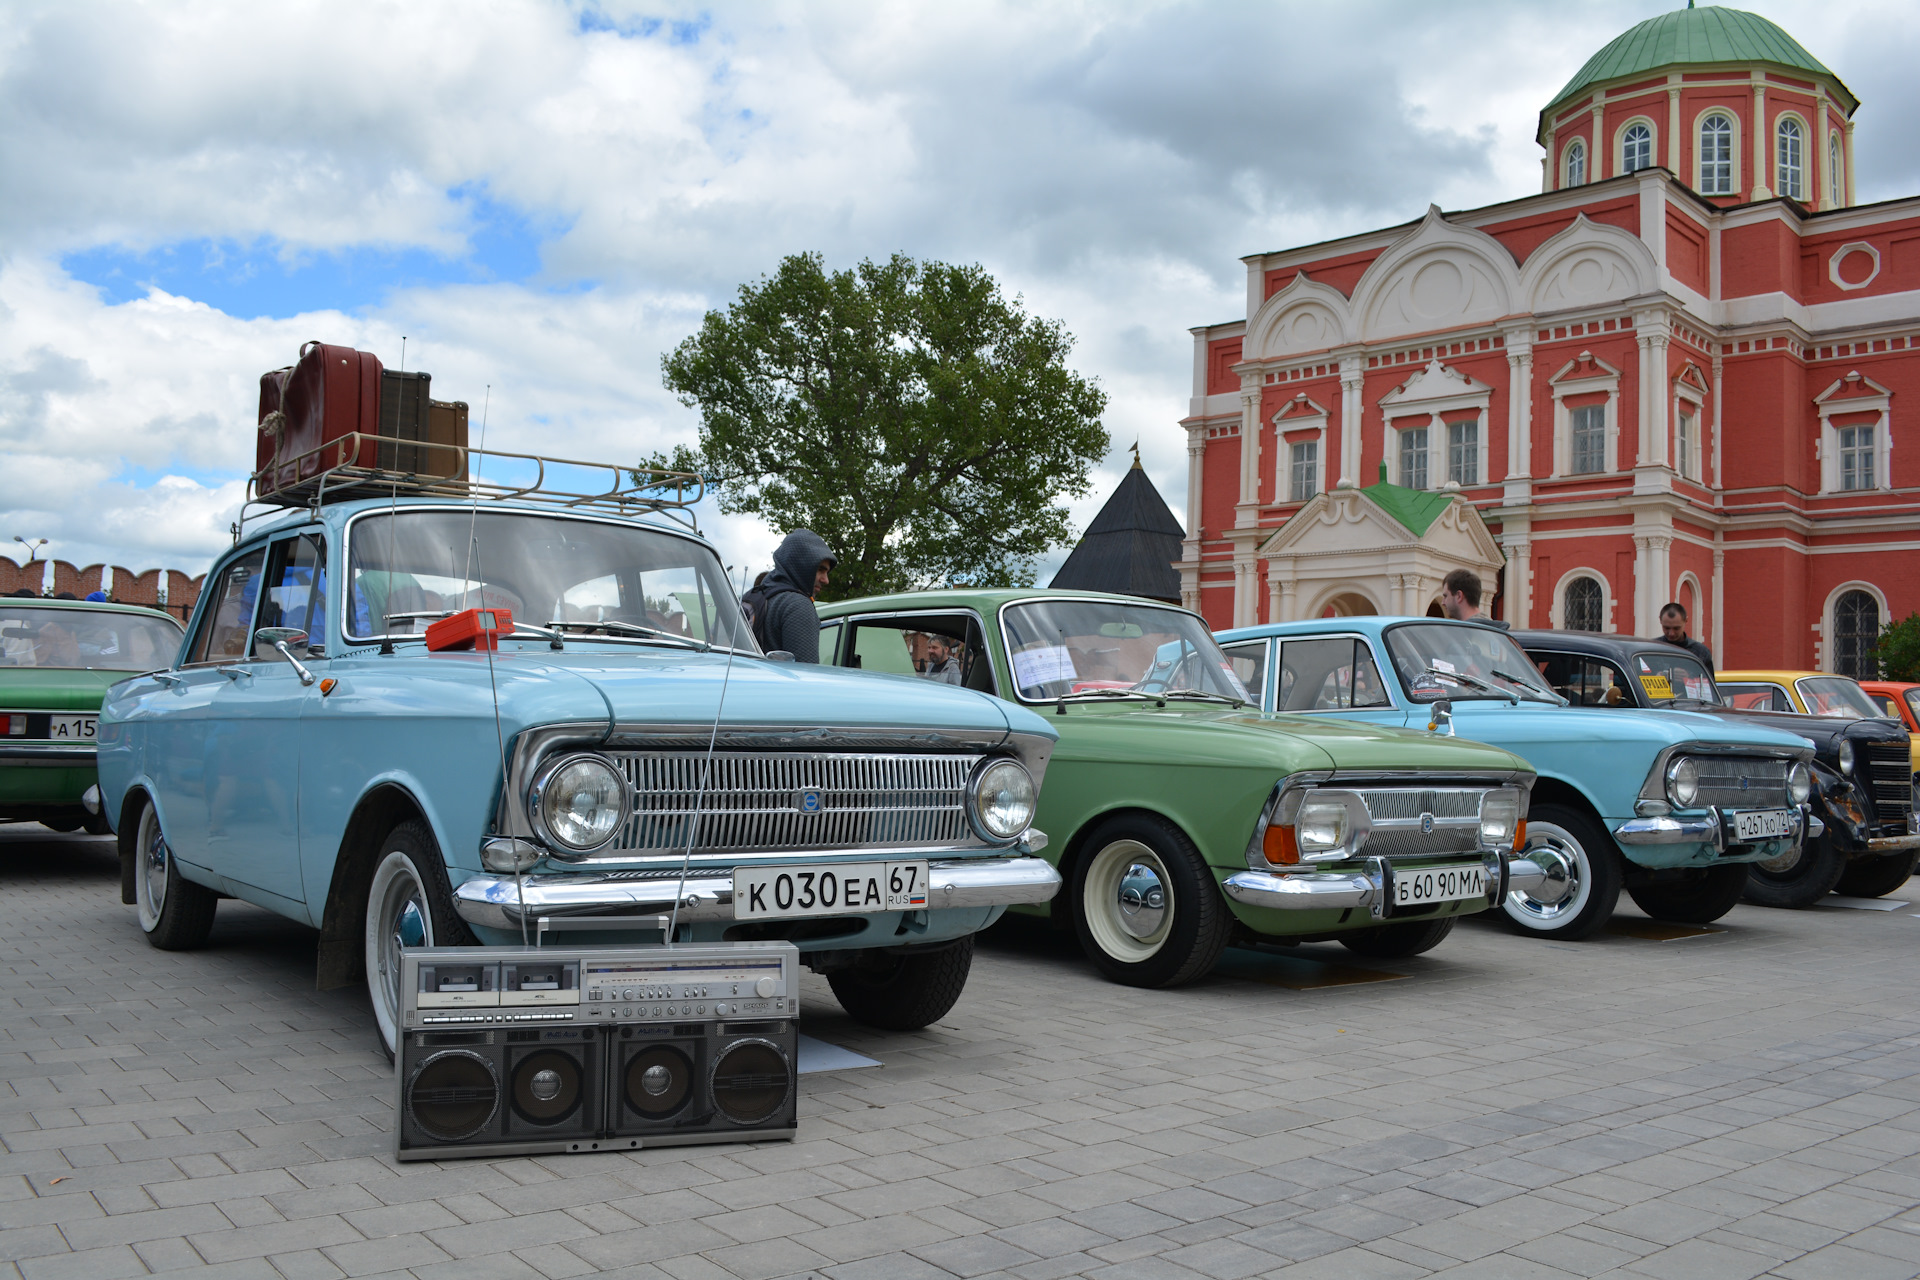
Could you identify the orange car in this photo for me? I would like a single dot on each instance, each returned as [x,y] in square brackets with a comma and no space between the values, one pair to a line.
[1822,693]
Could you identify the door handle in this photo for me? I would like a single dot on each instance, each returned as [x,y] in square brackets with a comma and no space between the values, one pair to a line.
[233,671]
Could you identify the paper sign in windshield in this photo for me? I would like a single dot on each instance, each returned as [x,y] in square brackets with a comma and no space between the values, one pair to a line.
[1044,665]
[1656,686]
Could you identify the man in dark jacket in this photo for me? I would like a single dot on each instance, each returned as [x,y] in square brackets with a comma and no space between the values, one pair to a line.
[1460,599]
[800,569]
[1673,630]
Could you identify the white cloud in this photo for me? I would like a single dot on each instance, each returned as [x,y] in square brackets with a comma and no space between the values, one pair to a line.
[1109,163]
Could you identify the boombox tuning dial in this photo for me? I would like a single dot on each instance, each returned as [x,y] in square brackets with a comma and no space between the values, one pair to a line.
[765,987]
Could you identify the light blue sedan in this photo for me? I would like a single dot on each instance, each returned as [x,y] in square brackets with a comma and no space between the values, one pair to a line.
[1669,805]
[625,766]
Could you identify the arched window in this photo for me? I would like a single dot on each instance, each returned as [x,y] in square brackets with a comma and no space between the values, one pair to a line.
[1576,163]
[1716,156]
[1836,180]
[1636,148]
[1788,159]
[1583,606]
[1856,629]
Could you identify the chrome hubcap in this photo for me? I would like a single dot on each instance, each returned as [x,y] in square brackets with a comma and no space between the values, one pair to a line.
[1563,874]
[1783,864]
[154,867]
[397,921]
[1143,901]
[1568,879]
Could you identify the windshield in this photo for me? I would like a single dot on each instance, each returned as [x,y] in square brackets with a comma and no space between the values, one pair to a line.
[1094,648]
[90,639]
[1666,675]
[595,578]
[1440,661]
[1837,696]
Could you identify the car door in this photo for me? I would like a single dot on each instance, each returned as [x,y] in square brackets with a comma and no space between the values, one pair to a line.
[253,734]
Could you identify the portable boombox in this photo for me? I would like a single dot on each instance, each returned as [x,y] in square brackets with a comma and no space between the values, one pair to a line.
[522,1051]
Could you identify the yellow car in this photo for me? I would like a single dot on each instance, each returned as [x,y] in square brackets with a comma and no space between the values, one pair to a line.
[1811,693]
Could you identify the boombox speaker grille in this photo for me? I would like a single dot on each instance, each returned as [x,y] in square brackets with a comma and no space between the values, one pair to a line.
[548,1085]
[751,1079]
[454,1095]
[658,1081]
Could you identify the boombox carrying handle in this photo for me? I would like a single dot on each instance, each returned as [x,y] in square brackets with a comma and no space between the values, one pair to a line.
[561,924]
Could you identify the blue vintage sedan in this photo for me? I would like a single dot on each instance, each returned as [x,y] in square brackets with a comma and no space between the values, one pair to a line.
[1669,805]
[624,766]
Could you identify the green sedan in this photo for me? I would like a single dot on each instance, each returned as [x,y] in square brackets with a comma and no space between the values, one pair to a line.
[1181,817]
[57,658]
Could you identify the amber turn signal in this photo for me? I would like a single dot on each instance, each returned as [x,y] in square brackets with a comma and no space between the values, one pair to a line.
[326,686]
[1280,846]
[1520,836]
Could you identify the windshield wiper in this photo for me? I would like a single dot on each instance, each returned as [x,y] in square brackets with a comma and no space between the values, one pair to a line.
[1533,694]
[1105,693]
[1197,694]
[1473,682]
[634,629]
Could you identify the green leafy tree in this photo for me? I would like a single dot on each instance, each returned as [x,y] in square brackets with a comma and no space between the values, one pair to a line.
[907,412]
[1897,652]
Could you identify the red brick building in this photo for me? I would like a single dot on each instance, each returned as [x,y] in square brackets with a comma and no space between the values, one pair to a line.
[1687,370]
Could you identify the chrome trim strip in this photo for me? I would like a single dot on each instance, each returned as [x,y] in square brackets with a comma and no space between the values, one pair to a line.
[51,755]
[499,902]
[1893,844]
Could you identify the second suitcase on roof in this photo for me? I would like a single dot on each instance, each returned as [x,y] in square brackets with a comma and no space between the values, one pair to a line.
[332,392]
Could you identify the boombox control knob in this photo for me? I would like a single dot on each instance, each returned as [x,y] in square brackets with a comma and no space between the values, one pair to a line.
[765,987]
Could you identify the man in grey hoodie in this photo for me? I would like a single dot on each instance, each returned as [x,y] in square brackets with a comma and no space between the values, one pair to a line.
[784,612]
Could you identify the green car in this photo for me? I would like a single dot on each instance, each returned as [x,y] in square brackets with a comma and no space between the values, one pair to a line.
[57,658]
[1180,816]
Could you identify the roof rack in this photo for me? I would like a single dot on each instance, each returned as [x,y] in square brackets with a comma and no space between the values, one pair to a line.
[339,470]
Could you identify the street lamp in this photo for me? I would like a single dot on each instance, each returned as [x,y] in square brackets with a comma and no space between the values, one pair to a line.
[32,545]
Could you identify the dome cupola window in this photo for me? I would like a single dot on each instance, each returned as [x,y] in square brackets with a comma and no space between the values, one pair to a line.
[1716,156]
[1576,163]
[1636,149]
[1789,159]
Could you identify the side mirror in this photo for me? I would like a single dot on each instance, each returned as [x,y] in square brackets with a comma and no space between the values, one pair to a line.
[1441,717]
[280,638]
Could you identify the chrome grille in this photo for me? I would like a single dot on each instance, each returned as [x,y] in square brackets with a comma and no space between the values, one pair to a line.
[1890,777]
[1742,782]
[1398,815]
[751,801]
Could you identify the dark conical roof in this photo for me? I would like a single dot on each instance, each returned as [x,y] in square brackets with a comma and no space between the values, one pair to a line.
[1130,547]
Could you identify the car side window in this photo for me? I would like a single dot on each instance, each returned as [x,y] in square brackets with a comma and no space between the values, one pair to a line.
[1250,664]
[947,649]
[830,642]
[1913,705]
[227,624]
[296,594]
[1585,681]
[1756,697]
[1329,674]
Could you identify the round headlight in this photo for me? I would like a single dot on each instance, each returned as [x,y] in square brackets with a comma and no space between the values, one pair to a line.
[1683,782]
[1846,757]
[1799,783]
[1003,800]
[580,802]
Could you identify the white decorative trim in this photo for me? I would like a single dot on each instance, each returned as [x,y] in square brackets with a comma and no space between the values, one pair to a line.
[1557,606]
[1695,398]
[1304,316]
[1313,417]
[1840,254]
[1620,142]
[1440,396]
[1829,444]
[1570,382]
[1438,276]
[1733,150]
[1588,264]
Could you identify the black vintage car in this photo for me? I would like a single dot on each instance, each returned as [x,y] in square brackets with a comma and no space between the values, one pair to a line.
[1864,790]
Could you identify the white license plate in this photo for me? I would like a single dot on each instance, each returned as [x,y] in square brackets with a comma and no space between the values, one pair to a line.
[72,728]
[1413,887]
[1763,824]
[845,888]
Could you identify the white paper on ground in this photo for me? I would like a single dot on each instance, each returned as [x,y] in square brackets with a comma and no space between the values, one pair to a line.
[1864,904]
[818,1055]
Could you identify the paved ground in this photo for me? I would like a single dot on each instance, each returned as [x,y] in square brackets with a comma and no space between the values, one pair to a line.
[1726,1104]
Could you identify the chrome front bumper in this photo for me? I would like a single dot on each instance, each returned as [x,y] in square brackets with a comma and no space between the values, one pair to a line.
[1339,890]
[1892,844]
[47,755]
[1710,827]
[500,902]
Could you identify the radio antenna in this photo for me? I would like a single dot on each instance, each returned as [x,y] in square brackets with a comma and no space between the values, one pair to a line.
[706,776]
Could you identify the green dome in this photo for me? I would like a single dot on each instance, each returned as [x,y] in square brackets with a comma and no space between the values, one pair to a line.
[1696,37]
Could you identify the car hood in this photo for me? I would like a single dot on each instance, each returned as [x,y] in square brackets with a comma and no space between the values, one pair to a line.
[55,688]
[1819,729]
[1535,722]
[1196,735]
[679,688]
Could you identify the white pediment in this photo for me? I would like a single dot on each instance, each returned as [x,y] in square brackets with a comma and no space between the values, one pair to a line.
[1305,316]
[1436,386]
[1439,276]
[1587,264]
[1347,523]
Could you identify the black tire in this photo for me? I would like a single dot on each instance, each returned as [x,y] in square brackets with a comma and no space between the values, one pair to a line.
[1700,900]
[1589,887]
[1393,941]
[96,824]
[65,821]
[1797,879]
[1876,877]
[1144,940]
[175,913]
[409,904]
[902,991]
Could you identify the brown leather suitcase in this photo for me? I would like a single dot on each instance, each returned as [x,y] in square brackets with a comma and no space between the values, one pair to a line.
[332,392]
[446,424]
